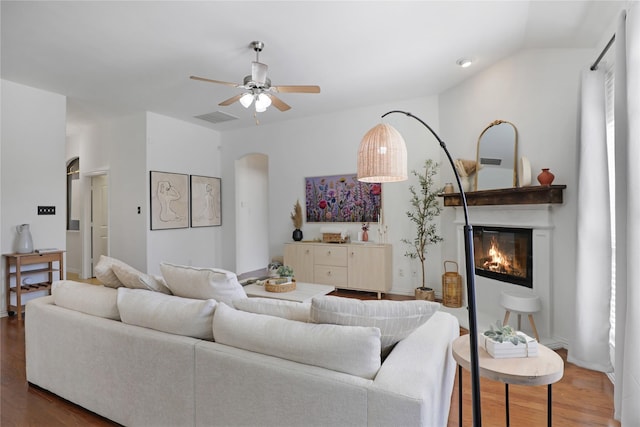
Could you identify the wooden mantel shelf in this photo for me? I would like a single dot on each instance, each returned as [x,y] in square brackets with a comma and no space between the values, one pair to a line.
[508,196]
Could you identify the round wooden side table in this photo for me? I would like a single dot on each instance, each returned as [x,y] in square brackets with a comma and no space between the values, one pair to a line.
[545,369]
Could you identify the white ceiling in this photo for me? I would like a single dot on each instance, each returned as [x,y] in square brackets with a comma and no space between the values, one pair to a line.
[121,56]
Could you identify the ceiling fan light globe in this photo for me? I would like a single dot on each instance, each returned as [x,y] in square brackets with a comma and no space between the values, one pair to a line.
[263,101]
[246,100]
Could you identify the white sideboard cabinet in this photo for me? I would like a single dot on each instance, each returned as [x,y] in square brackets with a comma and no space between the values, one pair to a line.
[357,266]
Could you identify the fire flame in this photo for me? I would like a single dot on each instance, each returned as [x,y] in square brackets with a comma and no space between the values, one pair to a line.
[496,261]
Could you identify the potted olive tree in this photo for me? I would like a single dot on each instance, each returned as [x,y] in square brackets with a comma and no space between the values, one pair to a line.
[425,207]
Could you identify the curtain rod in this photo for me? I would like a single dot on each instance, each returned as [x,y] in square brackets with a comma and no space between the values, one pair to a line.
[603,53]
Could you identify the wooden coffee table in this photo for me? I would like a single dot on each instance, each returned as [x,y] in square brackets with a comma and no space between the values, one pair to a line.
[303,292]
[545,369]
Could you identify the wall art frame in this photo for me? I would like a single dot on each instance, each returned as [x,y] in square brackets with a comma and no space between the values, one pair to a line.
[206,201]
[342,198]
[169,204]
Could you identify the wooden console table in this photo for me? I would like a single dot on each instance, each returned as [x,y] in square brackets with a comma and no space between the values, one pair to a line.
[545,369]
[355,266]
[21,260]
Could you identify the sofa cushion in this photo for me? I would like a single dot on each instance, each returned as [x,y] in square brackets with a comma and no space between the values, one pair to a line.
[167,313]
[395,319]
[202,283]
[291,310]
[95,300]
[353,350]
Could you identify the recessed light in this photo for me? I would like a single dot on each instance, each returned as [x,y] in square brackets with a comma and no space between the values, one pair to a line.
[464,62]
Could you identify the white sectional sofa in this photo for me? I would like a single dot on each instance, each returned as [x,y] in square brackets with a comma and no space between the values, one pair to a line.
[83,344]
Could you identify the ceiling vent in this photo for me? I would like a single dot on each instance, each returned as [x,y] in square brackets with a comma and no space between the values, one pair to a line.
[217,117]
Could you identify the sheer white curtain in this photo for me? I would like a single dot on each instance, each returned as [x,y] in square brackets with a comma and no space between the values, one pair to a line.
[590,348]
[627,372]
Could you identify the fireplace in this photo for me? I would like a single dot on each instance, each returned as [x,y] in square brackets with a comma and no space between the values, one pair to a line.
[504,254]
[535,217]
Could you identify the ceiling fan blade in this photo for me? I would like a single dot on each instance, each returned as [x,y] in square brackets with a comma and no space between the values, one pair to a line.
[259,72]
[279,104]
[296,89]
[231,100]
[215,81]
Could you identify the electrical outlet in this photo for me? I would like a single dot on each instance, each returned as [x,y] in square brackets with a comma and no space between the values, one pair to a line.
[46,210]
[401,272]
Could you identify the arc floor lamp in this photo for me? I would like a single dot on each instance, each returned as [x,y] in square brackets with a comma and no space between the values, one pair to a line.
[382,157]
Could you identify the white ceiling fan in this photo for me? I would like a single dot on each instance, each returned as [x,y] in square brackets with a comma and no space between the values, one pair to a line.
[257,86]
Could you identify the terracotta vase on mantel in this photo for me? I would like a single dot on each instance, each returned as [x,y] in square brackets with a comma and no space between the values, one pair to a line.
[545,178]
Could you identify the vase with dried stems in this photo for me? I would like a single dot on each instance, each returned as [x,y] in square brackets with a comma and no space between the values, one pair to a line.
[296,218]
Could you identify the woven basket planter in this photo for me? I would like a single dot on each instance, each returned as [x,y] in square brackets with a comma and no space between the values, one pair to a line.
[425,294]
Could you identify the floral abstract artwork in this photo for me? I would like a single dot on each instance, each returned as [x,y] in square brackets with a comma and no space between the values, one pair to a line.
[342,198]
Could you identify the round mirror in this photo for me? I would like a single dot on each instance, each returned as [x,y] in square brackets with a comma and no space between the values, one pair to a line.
[497,154]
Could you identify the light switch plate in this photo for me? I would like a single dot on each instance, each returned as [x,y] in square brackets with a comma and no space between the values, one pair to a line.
[46,210]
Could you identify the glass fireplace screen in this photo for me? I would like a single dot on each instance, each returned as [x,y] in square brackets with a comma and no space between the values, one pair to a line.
[504,254]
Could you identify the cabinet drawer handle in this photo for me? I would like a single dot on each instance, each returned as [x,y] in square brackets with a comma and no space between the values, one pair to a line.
[328,253]
[328,273]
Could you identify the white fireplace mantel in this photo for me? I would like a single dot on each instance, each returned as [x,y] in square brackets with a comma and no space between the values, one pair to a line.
[539,218]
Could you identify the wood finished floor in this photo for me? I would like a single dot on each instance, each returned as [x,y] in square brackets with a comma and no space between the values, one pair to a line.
[581,398]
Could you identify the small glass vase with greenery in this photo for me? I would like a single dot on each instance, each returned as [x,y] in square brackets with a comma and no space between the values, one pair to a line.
[425,207]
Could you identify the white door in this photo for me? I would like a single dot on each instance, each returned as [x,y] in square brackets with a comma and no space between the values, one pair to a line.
[99,219]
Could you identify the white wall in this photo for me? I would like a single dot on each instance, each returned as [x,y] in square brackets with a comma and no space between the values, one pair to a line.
[328,145]
[126,148]
[180,147]
[117,146]
[33,167]
[538,91]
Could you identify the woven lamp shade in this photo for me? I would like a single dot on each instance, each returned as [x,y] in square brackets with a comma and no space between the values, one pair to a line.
[382,156]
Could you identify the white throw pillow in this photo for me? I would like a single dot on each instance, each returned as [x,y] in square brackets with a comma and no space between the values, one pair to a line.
[354,350]
[89,299]
[128,276]
[167,313]
[105,274]
[395,319]
[154,283]
[202,283]
[291,310]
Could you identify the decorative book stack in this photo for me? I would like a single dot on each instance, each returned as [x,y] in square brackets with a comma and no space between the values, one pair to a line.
[506,349]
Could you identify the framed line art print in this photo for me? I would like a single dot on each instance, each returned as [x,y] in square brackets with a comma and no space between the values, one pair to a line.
[169,200]
[205,201]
